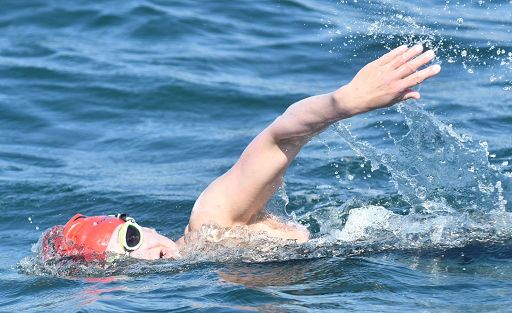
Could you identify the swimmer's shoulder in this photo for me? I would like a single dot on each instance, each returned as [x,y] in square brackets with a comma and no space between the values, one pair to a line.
[181,242]
[270,225]
[280,229]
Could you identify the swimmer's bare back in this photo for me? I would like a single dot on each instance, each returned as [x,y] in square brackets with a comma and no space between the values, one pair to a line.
[238,197]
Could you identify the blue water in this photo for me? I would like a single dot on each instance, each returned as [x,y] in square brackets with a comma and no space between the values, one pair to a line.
[135,106]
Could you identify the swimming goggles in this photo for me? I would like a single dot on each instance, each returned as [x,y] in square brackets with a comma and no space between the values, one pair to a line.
[130,234]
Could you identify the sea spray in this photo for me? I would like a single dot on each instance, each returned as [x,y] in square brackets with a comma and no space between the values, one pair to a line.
[431,162]
[456,194]
[440,28]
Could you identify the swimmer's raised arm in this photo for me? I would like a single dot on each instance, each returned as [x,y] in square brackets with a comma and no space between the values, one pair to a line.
[238,196]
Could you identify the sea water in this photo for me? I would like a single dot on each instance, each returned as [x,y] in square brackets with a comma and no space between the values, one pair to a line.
[135,106]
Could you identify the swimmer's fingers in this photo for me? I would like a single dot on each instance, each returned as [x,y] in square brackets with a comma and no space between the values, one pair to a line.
[405,57]
[410,94]
[413,65]
[386,58]
[419,76]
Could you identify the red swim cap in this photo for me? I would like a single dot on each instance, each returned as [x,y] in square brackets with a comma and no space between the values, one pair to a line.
[86,236]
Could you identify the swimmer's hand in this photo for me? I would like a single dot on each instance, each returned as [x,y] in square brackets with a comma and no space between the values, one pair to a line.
[386,81]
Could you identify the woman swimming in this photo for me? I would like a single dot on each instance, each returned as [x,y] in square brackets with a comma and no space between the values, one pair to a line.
[238,197]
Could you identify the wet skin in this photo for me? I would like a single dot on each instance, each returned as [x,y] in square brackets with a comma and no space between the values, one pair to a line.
[154,246]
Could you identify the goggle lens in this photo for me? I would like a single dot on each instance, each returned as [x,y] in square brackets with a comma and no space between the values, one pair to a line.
[132,236]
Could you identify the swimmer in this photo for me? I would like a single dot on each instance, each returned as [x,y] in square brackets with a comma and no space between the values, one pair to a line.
[238,197]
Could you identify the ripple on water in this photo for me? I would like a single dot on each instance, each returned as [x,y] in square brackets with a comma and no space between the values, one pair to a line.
[136,106]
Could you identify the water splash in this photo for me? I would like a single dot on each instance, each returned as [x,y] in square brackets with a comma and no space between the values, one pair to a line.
[389,24]
[431,163]
[455,194]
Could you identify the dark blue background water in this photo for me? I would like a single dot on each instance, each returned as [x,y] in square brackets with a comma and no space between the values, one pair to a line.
[137,105]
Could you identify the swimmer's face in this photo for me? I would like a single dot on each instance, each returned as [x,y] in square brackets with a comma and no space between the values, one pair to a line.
[154,246]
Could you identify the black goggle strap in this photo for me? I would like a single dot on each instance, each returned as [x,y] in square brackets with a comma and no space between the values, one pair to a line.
[124,217]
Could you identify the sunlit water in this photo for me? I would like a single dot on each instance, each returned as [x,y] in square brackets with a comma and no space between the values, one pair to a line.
[136,106]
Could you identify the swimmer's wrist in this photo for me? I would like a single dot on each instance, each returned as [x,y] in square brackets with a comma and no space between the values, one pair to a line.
[344,102]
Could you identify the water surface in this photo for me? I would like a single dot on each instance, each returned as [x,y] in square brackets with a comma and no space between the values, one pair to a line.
[135,106]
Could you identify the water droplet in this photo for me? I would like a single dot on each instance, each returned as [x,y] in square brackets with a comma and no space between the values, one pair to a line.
[487,189]
[464,53]
[421,192]
[30,220]
[413,171]
[460,21]
[350,177]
